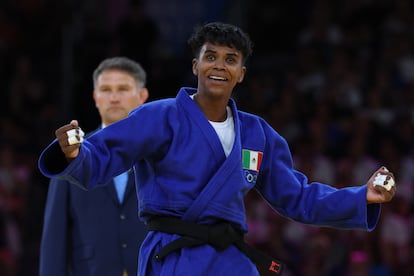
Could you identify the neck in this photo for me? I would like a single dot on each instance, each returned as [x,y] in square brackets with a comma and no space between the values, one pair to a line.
[214,110]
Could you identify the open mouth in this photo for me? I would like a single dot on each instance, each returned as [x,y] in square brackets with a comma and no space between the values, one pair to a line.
[217,78]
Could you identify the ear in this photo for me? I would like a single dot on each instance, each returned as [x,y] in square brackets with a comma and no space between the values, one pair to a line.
[195,66]
[243,72]
[143,93]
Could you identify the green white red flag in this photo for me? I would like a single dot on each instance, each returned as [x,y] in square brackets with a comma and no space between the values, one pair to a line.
[252,159]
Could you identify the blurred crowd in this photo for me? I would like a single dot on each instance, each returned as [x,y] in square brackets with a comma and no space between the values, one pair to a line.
[335,78]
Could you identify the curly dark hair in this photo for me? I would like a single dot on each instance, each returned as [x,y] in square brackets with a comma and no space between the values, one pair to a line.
[219,33]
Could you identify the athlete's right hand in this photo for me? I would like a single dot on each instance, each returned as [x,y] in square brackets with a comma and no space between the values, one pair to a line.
[70,137]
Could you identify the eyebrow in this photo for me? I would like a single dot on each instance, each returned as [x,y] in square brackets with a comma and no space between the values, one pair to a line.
[104,86]
[207,51]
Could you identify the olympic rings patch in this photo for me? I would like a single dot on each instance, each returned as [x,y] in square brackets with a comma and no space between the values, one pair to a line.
[250,176]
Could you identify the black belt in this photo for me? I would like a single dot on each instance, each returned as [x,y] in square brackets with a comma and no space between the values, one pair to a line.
[220,236]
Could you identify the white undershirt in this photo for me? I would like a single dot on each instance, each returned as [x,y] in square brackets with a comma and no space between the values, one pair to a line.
[225,130]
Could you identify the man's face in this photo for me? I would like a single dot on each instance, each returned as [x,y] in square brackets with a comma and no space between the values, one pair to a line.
[218,68]
[116,94]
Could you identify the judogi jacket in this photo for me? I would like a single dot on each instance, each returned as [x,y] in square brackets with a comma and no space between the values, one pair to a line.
[183,172]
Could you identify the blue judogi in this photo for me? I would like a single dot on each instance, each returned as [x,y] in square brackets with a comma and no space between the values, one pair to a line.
[183,172]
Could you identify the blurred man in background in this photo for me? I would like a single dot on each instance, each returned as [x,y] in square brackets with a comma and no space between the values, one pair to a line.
[97,232]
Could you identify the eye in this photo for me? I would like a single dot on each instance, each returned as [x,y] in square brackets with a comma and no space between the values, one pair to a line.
[210,57]
[105,90]
[124,89]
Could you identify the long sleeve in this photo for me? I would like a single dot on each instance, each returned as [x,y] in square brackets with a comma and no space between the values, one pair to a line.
[289,192]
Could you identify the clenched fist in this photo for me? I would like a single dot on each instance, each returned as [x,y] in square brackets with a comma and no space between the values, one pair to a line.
[70,137]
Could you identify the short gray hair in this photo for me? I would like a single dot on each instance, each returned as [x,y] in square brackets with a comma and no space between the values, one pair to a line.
[123,64]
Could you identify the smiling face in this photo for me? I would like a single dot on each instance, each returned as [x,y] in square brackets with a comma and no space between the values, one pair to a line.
[116,94]
[218,68]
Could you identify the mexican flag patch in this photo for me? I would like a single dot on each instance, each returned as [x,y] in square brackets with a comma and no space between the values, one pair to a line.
[251,159]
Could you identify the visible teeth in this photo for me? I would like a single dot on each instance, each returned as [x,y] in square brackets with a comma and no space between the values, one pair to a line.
[217,78]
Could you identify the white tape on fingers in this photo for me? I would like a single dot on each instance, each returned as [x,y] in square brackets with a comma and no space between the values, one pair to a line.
[72,132]
[381,180]
[75,139]
[75,131]
[391,184]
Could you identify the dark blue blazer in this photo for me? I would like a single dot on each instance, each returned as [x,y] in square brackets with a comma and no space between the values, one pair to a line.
[89,233]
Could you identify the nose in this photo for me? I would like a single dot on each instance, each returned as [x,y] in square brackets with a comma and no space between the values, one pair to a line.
[219,63]
[114,96]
